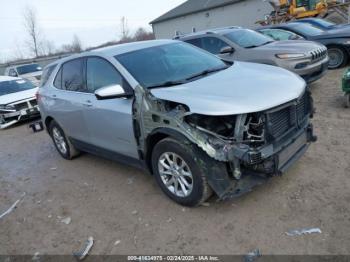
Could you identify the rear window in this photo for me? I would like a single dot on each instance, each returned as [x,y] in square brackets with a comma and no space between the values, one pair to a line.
[14,86]
[46,74]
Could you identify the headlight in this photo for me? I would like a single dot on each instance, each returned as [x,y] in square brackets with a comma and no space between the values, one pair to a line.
[289,56]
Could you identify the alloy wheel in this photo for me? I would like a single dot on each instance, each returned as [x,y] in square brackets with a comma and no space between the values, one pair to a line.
[59,140]
[336,57]
[175,174]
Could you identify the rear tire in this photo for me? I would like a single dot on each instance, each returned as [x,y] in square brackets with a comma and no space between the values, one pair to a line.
[62,143]
[179,174]
[338,57]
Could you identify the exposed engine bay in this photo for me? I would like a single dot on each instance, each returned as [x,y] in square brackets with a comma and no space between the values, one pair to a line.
[246,144]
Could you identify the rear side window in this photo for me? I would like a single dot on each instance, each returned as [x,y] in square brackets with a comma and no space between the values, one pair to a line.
[213,44]
[73,76]
[196,42]
[46,74]
[100,73]
[58,80]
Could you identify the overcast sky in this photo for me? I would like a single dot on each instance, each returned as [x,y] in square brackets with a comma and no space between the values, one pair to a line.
[94,21]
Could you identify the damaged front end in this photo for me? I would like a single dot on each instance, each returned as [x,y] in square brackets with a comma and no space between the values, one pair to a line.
[11,114]
[243,151]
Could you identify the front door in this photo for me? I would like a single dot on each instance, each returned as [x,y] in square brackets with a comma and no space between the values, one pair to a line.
[109,121]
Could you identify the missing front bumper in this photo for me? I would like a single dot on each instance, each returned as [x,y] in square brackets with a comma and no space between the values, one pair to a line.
[9,119]
[279,161]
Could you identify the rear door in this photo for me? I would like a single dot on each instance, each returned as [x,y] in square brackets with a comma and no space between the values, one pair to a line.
[69,99]
[109,121]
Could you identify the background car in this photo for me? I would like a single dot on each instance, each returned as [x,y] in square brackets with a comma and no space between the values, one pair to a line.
[196,123]
[32,72]
[336,40]
[17,100]
[307,59]
[322,24]
[280,34]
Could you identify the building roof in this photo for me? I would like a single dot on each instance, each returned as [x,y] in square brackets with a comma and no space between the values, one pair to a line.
[191,7]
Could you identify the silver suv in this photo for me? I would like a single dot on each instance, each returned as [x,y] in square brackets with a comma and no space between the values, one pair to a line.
[305,58]
[199,125]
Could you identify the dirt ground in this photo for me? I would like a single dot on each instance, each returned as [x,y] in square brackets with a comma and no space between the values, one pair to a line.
[113,202]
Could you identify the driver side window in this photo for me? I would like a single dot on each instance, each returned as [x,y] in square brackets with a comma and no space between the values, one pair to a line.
[278,34]
[213,44]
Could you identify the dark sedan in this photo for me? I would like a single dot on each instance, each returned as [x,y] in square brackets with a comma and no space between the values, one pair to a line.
[322,24]
[336,40]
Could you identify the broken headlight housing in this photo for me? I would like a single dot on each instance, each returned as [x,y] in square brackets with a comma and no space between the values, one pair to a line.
[254,130]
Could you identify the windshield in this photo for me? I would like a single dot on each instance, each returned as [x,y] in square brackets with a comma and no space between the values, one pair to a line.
[307,29]
[170,63]
[248,38]
[14,86]
[25,69]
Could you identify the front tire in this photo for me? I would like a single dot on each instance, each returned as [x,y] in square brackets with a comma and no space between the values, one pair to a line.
[337,57]
[178,173]
[63,145]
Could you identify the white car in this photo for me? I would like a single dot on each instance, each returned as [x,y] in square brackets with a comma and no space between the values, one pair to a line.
[17,100]
[32,72]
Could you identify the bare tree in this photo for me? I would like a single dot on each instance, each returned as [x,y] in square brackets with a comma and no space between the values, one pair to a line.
[124,30]
[47,47]
[76,44]
[32,28]
[74,47]
[142,34]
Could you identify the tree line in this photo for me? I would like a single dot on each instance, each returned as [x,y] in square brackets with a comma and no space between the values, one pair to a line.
[39,46]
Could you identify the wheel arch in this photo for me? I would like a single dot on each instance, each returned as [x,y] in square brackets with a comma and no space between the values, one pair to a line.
[47,122]
[154,137]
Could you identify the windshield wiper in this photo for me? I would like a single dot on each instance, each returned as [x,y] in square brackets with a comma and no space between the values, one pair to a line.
[205,72]
[253,46]
[167,84]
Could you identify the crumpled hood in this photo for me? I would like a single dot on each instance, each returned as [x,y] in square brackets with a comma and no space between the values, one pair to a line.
[15,97]
[293,46]
[242,88]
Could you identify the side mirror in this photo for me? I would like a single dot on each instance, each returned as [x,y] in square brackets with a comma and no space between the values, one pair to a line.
[227,50]
[108,92]
[296,37]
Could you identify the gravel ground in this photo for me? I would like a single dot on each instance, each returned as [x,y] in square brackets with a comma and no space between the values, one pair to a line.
[113,202]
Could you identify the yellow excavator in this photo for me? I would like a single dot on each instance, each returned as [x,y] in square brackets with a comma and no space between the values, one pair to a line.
[287,10]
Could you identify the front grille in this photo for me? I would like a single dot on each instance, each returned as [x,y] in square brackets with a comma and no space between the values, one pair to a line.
[318,54]
[25,105]
[288,118]
[303,108]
